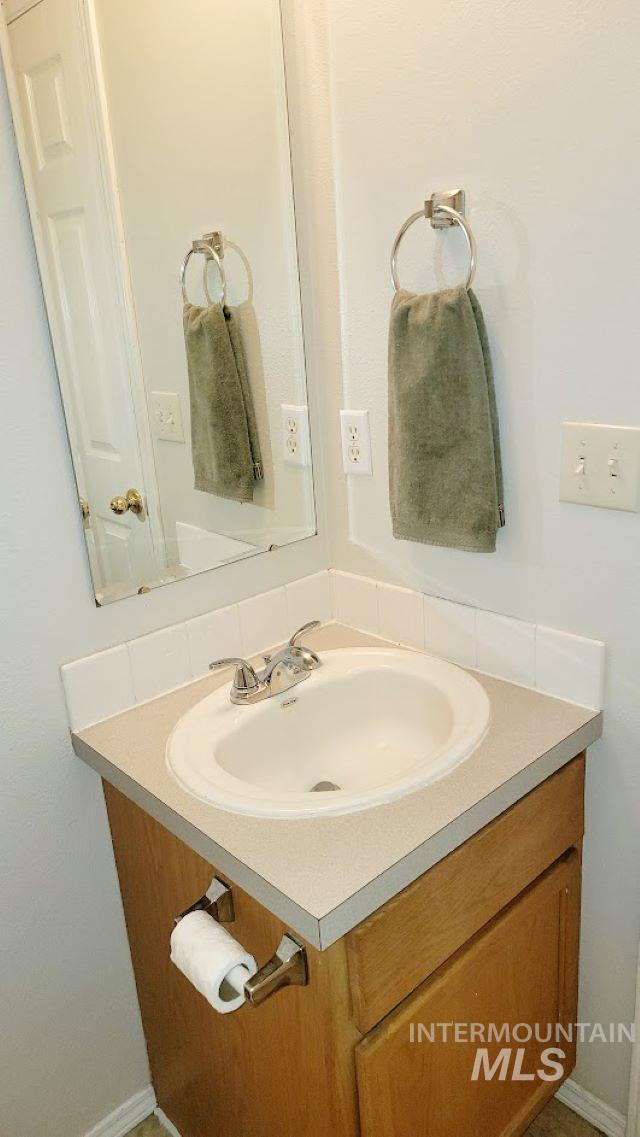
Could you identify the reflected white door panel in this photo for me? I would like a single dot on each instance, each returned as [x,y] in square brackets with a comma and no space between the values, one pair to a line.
[84,306]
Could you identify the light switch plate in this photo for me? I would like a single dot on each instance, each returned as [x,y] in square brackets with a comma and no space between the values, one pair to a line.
[166,416]
[296,446]
[600,465]
[356,442]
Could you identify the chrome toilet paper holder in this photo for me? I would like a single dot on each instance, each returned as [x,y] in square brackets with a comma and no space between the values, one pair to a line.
[217,902]
[288,967]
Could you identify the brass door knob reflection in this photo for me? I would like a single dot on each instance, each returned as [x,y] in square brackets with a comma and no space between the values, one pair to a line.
[132,501]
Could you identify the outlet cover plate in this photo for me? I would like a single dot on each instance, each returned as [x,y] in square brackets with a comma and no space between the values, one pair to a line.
[166,416]
[356,442]
[600,465]
[296,444]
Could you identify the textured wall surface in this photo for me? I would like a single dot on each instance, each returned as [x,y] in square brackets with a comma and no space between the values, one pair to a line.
[533,109]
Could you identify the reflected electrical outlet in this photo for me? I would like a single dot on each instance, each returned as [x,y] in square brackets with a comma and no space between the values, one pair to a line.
[166,416]
[296,448]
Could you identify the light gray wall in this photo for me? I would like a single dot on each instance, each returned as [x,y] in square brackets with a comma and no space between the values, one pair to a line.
[532,107]
[72,1043]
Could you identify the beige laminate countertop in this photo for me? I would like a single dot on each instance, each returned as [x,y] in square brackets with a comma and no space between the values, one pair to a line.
[323,875]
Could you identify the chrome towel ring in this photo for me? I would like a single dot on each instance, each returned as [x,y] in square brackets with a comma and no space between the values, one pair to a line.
[211,245]
[444,210]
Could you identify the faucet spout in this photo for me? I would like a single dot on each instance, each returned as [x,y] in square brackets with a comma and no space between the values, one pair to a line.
[284,676]
[288,667]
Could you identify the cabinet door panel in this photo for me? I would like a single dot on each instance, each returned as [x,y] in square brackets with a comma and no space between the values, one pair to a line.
[521,969]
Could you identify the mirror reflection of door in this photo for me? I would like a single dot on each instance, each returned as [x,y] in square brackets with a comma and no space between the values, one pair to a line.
[86,310]
[125,171]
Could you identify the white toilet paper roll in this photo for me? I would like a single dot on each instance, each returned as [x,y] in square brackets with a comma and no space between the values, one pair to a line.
[211,959]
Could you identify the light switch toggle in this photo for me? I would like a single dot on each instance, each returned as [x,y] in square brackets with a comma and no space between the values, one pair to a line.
[601,465]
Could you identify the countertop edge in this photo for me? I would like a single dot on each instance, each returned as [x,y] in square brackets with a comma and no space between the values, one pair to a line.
[322,932]
[299,920]
[398,876]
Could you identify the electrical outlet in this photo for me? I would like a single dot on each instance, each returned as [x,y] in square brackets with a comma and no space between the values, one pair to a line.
[296,446]
[600,465]
[356,442]
[166,416]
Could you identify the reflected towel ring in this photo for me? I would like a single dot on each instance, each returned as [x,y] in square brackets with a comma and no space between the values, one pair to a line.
[436,211]
[211,247]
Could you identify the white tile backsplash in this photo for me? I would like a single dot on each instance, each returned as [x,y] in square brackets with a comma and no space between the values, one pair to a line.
[98,686]
[263,621]
[356,601]
[400,615]
[506,647]
[213,636]
[309,599]
[567,666]
[450,630]
[159,662]
[570,667]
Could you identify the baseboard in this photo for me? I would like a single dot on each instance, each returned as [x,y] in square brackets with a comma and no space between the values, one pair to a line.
[126,1116]
[165,1123]
[596,1112]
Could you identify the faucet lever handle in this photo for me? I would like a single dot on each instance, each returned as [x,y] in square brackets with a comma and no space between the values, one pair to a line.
[300,632]
[245,678]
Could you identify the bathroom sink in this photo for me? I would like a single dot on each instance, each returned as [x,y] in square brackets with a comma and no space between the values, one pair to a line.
[370,725]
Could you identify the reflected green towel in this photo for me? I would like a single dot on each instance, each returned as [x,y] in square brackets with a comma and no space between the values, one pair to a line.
[445,476]
[224,436]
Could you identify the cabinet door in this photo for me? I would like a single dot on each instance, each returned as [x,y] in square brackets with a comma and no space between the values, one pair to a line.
[519,971]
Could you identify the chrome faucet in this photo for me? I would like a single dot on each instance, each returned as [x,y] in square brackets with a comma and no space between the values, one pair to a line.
[288,667]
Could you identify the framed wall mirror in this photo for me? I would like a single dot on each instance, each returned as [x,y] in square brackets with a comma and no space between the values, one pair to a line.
[155,148]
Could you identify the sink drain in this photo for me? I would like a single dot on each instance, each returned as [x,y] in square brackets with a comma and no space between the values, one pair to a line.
[323,787]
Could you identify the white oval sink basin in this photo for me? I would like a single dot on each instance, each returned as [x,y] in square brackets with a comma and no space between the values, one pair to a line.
[375,723]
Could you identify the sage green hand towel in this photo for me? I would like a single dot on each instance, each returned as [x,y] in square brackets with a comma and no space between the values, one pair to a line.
[224,437]
[445,476]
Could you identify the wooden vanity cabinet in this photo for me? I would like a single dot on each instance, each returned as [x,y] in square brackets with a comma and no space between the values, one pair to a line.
[488,935]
